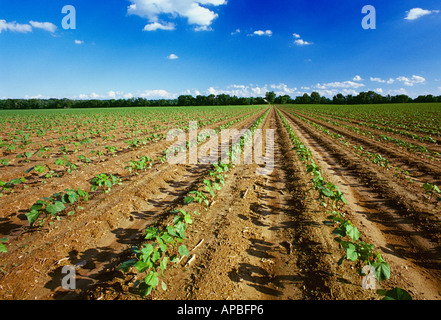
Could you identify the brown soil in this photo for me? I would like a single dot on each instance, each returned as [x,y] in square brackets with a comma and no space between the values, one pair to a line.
[263,238]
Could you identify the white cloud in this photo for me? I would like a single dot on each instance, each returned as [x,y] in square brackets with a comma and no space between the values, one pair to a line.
[345,84]
[357,78]
[25,28]
[267,33]
[194,10]
[111,94]
[203,28]
[79,42]
[253,90]
[412,81]
[158,94]
[301,42]
[14,26]
[235,32]
[158,26]
[379,80]
[172,57]
[417,13]
[47,26]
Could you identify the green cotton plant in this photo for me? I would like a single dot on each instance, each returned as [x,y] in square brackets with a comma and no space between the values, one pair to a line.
[198,197]
[105,181]
[2,245]
[326,190]
[143,164]
[432,189]
[161,248]
[55,205]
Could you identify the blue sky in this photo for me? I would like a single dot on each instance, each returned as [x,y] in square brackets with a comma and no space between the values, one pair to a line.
[165,48]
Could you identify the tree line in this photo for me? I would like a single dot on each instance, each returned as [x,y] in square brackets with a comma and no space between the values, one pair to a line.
[369,97]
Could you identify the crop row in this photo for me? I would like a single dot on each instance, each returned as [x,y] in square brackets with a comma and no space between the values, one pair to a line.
[163,244]
[411,147]
[424,119]
[370,263]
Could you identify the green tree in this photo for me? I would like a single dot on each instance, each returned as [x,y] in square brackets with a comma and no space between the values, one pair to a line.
[270,97]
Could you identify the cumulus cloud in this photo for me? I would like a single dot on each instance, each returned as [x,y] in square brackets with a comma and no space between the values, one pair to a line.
[253,90]
[267,33]
[379,80]
[357,78]
[195,11]
[79,42]
[159,26]
[237,31]
[345,84]
[203,28]
[158,94]
[411,81]
[147,94]
[14,26]
[47,26]
[299,41]
[417,13]
[172,57]
[25,28]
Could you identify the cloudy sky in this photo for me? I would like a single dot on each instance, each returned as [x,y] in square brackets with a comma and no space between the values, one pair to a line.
[165,48]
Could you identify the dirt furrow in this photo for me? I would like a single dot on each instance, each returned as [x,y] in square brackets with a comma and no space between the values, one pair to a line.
[414,259]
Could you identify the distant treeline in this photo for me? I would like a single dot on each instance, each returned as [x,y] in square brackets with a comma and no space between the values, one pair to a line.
[369,97]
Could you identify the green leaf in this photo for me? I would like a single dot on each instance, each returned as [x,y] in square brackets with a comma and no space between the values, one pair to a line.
[397,294]
[2,246]
[351,252]
[183,251]
[56,207]
[327,193]
[166,238]
[150,233]
[188,200]
[382,271]
[352,232]
[164,286]
[144,289]
[141,266]
[152,279]
[180,229]
[33,216]
[156,255]
[172,231]
[146,251]
[163,265]
[340,231]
